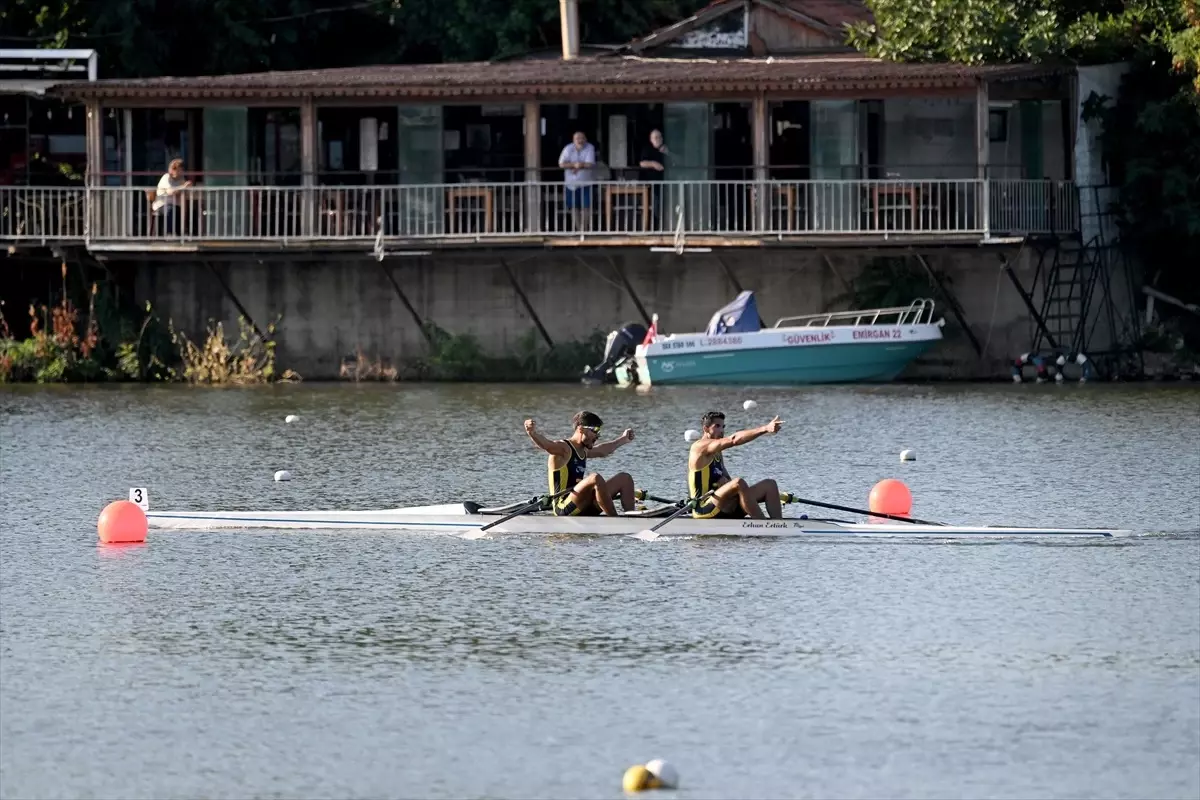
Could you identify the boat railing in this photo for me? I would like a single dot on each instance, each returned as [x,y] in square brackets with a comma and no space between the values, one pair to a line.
[918,312]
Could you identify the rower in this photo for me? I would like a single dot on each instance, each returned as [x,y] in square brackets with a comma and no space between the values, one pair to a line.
[567,462]
[733,497]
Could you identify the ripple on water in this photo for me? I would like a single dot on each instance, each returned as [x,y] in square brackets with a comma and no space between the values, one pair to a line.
[284,664]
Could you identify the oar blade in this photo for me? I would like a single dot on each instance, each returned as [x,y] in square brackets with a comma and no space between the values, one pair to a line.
[644,536]
[477,533]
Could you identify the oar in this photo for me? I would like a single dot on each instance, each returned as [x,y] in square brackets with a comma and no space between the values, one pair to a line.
[651,534]
[791,498]
[532,505]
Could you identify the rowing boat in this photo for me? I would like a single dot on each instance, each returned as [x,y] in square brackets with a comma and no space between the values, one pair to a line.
[468,518]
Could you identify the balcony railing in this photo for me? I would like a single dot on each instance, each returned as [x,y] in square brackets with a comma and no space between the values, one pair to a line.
[473,212]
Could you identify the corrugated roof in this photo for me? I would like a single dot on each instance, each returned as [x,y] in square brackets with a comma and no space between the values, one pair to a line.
[546,79]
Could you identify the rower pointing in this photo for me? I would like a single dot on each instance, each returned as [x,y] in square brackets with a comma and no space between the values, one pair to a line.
[567,464]
[733,497]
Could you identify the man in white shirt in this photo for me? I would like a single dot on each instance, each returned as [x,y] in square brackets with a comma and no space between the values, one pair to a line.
[578,160]
[167,198]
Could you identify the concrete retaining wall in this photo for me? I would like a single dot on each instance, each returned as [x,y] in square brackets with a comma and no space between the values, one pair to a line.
[330,309]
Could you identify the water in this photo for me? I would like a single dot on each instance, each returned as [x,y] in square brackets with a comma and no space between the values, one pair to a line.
[279,664]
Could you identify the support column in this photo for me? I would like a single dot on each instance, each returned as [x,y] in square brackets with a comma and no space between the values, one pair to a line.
[308,164]
[982,146]
[94,147]
[127,132]
[533,167]
[759,126]
[94,142]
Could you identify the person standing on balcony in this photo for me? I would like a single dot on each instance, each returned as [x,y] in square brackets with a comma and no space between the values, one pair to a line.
[167,205]
[578,160]
[653,163]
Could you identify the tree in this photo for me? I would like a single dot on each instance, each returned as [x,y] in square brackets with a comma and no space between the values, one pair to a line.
[990,31]
[1151,130]
[146,38]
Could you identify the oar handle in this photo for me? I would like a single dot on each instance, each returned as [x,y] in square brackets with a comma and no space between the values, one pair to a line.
[642,494]
[688,506]
[789,497]
[533,505]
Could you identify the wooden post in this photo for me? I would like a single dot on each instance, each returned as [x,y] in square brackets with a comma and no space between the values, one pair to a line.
[94,176]
[94,143]
[533,167]
[308,164]
[759,126]
[982,146]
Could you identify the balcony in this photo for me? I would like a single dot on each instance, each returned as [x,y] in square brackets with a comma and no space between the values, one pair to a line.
[692,213]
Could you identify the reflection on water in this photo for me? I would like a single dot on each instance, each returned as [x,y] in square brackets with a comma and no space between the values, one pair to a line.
[284,664]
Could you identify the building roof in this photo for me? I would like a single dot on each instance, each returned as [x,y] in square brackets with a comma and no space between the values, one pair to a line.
[577,79]
[830,17]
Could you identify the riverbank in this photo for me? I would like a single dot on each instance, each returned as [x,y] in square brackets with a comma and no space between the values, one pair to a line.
[504,317]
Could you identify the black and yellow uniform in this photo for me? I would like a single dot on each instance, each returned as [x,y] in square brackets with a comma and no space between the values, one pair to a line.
[701,482]
[565,477]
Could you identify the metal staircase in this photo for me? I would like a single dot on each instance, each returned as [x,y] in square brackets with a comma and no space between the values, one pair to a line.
[1079,278]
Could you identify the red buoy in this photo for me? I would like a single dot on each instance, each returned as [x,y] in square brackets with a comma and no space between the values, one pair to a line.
[890,496]
[122,522]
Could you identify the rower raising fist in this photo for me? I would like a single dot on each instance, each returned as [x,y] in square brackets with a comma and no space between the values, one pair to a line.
[627,435]
[774,425]
[530,426]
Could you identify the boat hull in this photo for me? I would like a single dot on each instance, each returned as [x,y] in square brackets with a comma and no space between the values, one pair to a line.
[455,519]
[787,356]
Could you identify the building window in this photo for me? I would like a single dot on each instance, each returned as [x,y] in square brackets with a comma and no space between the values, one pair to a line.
[998,125]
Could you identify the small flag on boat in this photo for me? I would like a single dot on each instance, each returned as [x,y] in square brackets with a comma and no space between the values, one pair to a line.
[652,332]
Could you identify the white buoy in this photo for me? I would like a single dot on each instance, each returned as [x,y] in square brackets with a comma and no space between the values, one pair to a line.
[291,418]
[667,775]
[749,405]
[691,435]
[283,475]
[908,455]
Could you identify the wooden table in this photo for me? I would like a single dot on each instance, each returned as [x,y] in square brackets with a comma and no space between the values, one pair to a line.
[458,193]
[879,192]
[627,190]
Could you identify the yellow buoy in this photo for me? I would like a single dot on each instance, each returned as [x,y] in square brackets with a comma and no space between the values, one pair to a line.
[638,778]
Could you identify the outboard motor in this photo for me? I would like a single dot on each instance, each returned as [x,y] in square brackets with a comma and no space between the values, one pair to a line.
[619,345]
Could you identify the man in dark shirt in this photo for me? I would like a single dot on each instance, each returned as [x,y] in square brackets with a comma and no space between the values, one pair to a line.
[652,162]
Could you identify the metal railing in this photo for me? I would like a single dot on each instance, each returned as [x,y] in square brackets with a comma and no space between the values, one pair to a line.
[918,312]
[1041,206]
[499,211]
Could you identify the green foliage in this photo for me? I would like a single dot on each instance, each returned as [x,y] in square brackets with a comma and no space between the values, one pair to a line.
[248,359]
[990,31]
[1185,44]
[146,38]
[886,282]
[1151,132]
[461,357]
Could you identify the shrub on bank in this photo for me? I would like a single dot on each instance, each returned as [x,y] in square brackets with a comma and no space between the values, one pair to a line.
[461,357]
[61,349]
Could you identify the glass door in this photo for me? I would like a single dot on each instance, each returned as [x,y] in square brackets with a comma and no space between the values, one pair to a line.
[687,133]
[836,200]
[221,212]
[421,164]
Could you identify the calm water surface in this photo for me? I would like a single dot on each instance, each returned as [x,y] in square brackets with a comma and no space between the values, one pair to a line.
[280,664]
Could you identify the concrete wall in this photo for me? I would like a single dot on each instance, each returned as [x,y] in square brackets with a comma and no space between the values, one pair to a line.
[332,308]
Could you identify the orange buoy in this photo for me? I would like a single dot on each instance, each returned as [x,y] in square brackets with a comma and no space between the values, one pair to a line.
[890,496]
[122,522]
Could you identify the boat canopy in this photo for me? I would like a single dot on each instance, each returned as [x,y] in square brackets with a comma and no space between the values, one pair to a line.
[740,316]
